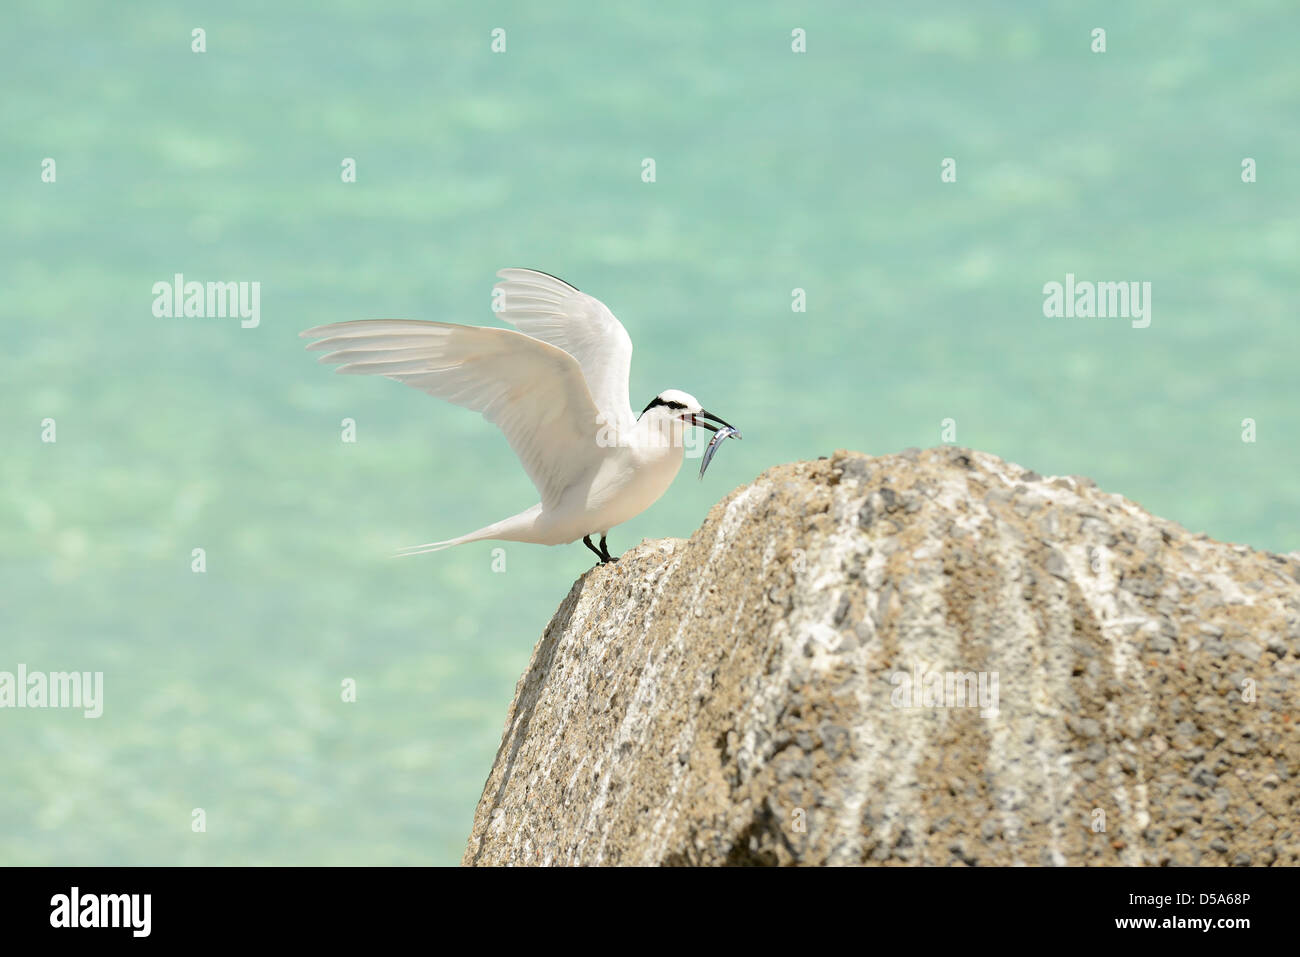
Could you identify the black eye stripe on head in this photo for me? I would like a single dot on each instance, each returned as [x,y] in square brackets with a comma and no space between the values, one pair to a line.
[659,400]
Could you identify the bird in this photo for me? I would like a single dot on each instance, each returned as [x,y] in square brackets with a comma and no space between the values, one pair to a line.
[557,385]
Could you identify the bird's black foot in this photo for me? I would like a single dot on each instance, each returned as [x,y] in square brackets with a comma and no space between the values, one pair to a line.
[600,553]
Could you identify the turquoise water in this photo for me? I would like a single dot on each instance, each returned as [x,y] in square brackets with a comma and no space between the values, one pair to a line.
[774,171]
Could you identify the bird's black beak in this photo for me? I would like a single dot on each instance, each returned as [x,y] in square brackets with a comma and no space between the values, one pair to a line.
[695,419]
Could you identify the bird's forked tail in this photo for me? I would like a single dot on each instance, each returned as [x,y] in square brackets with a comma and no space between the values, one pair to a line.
[507,530]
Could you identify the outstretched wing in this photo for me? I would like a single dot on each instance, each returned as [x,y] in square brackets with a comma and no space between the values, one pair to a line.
[531,390]
[551,310]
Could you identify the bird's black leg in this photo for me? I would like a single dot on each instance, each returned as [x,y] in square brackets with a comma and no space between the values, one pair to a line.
[605,548]
[586,540]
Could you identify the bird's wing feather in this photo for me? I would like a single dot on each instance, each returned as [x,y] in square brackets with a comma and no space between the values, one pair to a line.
[549,309]
[531,390]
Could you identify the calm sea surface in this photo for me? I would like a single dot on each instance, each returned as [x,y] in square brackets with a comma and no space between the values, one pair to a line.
[774,171]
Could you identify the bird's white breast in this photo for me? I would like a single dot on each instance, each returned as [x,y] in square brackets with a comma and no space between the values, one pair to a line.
[628,479]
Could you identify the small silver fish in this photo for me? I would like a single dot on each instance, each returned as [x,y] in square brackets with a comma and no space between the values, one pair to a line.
[725,432]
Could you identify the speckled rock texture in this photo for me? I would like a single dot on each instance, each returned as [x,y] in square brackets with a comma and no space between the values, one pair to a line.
[926,658]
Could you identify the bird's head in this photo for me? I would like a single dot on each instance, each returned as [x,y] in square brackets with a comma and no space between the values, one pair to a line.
[676,405]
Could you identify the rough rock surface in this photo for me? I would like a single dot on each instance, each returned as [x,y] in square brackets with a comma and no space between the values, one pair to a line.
[738,698]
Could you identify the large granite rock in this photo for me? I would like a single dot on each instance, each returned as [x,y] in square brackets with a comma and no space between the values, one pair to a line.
[743,697]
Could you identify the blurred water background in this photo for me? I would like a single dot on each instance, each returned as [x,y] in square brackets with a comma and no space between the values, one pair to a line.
[774,171]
